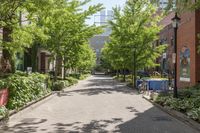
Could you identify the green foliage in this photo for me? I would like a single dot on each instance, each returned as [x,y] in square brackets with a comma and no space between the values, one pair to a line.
[194,114]
[86,59]
[188,102]
[57,25]
[178,104]
[79,76]
[24,89]
[185,93]
[72,80]
[68,33]
[161,99]
[58,85]
[134,33]
[20,73]
[83,76]
[3,84]
[3,111]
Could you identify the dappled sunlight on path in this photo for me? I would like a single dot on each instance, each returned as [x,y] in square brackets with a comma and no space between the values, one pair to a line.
[96,105]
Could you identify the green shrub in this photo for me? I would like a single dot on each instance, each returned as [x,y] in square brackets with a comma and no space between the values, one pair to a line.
[24,89]
[20,73]
[188,102]
[76,76]
[161,99]
[196,87]
[3,111]
[180,105]
[83,76]
[72,80]
[58,85]
[3,84]
[194,114]
[185,93]
[195,101]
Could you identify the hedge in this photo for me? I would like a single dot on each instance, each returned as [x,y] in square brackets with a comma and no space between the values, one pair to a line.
[25,88]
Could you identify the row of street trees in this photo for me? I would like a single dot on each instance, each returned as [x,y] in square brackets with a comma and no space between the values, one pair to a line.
[132,43]
[56,25]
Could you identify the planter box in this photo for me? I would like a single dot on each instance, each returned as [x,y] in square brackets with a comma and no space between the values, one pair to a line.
[3,97]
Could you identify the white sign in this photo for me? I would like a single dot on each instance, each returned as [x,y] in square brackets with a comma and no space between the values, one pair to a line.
[29,70]
[185,79]
[164,55]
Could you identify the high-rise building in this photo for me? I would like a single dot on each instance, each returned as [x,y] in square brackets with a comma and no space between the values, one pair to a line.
[162,4]
[102,17]
[98,41]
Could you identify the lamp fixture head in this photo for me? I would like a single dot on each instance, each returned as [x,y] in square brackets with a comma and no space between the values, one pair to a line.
[175,21]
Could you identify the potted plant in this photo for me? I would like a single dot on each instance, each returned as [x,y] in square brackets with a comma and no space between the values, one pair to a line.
[3,93]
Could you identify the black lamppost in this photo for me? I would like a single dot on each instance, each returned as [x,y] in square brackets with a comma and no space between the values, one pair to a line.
[175,24]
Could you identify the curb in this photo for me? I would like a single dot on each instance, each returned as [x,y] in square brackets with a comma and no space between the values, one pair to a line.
[33,104]
[37,102]
[178,115]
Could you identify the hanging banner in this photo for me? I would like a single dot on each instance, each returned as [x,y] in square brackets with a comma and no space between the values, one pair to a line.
[185,64]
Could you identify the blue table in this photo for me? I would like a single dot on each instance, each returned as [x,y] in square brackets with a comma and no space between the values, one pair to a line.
[155,84]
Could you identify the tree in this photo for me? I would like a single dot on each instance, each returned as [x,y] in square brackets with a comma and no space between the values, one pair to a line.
[16,36]
[134,33]
[57,25]
[86,59]
[67,30]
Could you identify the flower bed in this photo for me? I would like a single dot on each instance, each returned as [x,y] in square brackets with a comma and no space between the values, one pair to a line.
[188,102]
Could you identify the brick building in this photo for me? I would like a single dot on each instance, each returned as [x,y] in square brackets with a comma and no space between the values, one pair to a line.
[167,37]
[188,59]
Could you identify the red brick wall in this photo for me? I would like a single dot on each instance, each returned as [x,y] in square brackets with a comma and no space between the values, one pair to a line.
[187,37]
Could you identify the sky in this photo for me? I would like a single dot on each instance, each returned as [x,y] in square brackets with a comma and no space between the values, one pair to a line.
[108,4]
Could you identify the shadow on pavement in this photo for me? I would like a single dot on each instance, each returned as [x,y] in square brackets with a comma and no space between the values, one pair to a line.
[100,85]
[28,125]
[151,121]
[96,91]
[94,126]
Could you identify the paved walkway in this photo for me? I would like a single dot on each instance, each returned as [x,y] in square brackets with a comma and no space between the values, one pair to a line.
[96,105]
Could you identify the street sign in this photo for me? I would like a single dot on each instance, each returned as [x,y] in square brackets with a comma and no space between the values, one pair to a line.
[164,55]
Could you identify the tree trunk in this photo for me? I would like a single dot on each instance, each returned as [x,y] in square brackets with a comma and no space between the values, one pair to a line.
[132,75]
[56,69]
[117,74]
[7,55]
[34,59]
[124,75]
[64,62]
[135,70]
